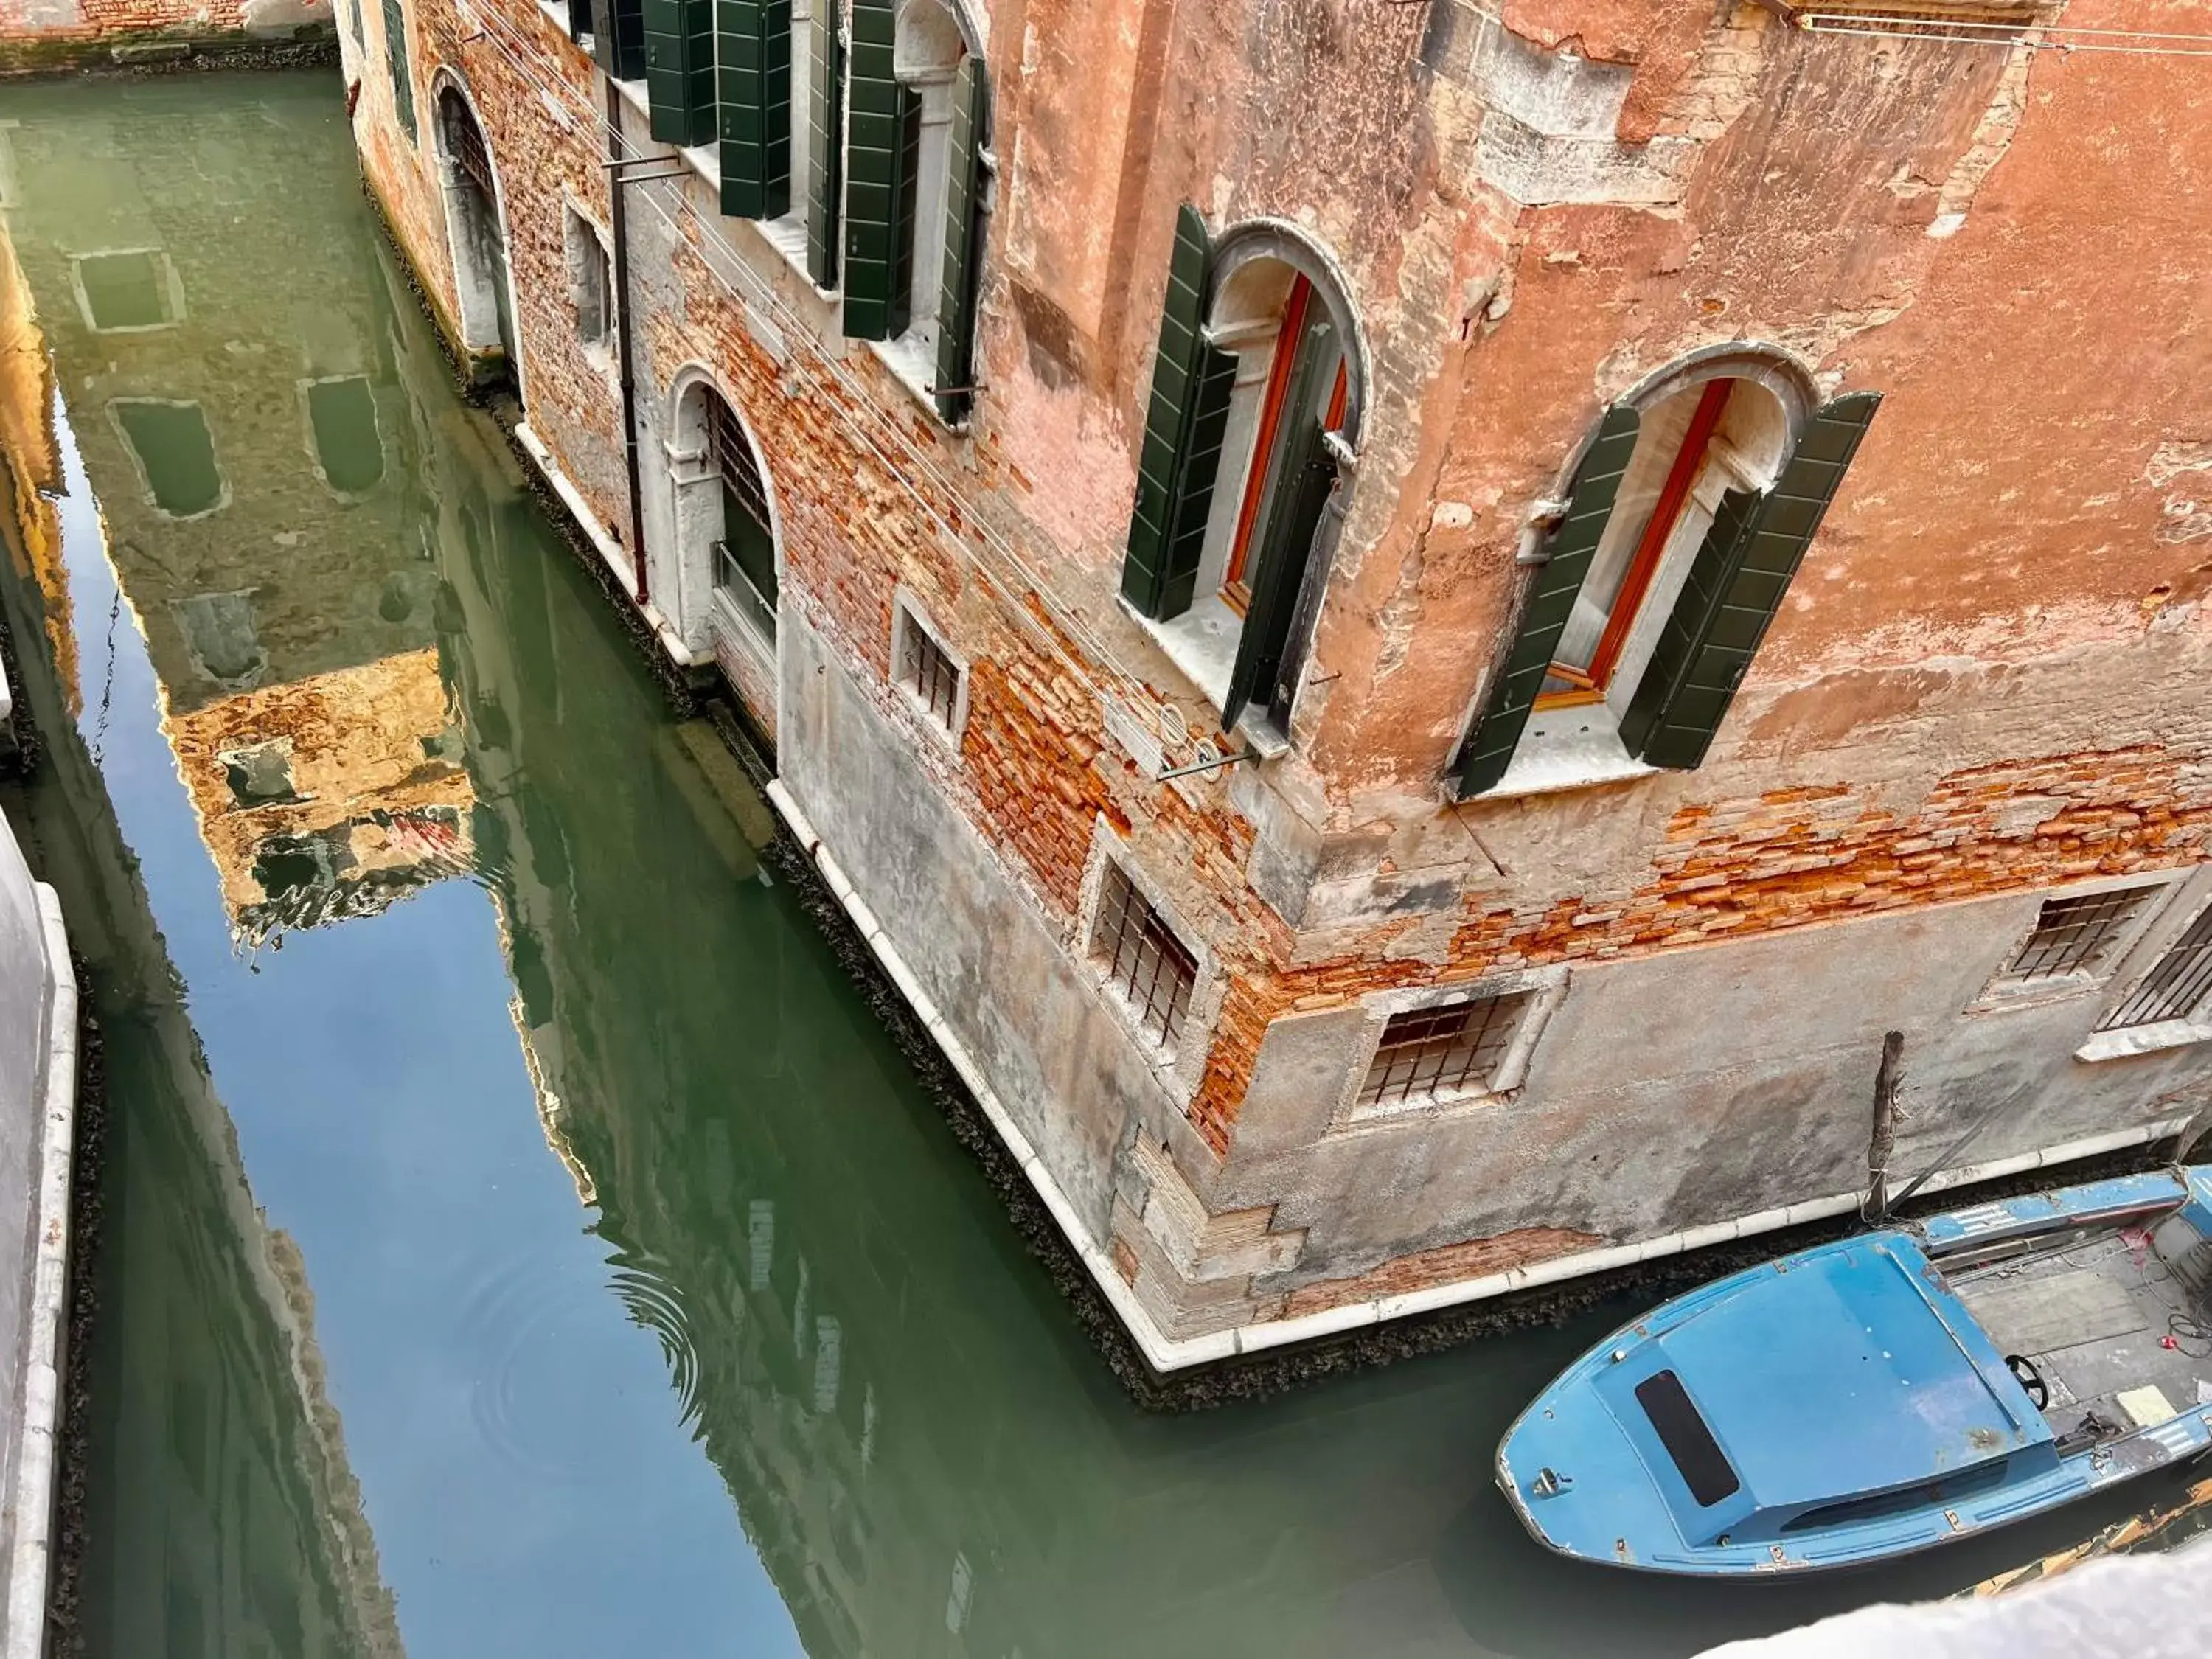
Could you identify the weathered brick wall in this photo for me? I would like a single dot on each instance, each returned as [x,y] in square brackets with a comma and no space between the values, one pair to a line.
[57,21]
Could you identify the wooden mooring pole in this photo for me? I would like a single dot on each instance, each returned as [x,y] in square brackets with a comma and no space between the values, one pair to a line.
[1887,1078]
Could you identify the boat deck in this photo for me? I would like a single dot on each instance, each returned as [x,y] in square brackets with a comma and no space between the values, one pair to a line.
[2094,1317]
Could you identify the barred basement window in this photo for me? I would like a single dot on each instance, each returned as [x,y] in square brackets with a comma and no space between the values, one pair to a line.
[1428,1054]
[1152,969]
[2176,986]
[929,672]
[2075,936]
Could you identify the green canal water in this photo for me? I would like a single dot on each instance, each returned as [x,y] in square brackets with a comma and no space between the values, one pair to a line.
[517,1235]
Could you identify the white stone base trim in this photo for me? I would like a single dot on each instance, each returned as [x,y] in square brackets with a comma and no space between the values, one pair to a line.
[30,1546]
[1165,1353]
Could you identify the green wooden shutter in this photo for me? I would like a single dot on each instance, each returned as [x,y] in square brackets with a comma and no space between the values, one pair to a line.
[580,19]
[1183,426]
[825,160]
[963,242]
[884,129]
[1552,590]
[753,49]
[679,70]
[1735,586]
[618,38]
[395,57]
[1301,473]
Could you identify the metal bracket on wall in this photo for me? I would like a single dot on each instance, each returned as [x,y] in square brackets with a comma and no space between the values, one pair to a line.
[653,178]
[1214,764]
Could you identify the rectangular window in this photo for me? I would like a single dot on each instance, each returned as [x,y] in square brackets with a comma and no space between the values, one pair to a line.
[1152,969]
[175,454]
[1429,1054]
[2075,936]
[342,421]
[2176,986]
[745,558]
[926,669]
[127,292]
[395,57]
[590,283]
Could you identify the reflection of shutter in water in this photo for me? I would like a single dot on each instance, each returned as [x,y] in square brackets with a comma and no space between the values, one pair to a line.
[175,454]
[218,628]
[343,413]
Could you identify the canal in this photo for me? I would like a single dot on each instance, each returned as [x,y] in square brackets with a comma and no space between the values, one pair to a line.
[517,1236]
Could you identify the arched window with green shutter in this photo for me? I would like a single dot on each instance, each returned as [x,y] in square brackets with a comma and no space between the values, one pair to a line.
[1686,520]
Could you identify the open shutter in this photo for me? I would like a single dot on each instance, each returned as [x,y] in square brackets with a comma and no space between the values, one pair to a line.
[963,242]
[395,57]
[825,161]
[1183,427]
[679,70]
[1735,587]
[618,38]
[878,200]
[1552,590]
[753,78]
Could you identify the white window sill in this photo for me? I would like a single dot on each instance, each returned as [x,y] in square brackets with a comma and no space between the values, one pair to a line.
[2144,1039]
[1201,642]
[2004,995]
[1426,1108]
[1545,768]
[912,360]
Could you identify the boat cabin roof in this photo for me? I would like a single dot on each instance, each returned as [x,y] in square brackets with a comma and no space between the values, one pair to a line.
[1839,1373]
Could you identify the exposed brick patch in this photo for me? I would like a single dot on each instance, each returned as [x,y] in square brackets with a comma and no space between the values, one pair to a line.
[1445,1265]
[1788,857]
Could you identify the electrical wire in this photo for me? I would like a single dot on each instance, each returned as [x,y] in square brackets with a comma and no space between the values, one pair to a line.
[2033,36]
[856,397]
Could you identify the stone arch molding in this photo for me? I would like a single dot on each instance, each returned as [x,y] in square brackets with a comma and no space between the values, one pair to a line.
[1776,368]
[1246,242]
[479,272]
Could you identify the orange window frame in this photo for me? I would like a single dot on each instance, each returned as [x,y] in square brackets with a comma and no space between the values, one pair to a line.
[1235,585]
[1589,685]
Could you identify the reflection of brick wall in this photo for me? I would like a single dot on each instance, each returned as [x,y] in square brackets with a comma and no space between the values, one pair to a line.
[22,21]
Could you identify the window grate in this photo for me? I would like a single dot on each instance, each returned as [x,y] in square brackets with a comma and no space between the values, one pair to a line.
[927,670]
[2173,988]
[2075,935]
[1146,962]
[1427,1052]
[731,454]
[465,140]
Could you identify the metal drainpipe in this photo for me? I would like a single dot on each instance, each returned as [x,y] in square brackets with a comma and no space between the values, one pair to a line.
[618,229]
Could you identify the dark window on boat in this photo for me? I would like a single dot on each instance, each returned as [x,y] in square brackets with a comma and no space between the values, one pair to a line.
[1698,1456]
[1852,1512]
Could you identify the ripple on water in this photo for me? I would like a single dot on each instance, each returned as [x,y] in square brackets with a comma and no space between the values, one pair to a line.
[557,1398]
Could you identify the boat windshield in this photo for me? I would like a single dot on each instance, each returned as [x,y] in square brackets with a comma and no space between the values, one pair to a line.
[1698,1459]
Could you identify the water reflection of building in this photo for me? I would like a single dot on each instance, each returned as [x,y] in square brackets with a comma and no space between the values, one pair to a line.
[214,1412]
[249,449]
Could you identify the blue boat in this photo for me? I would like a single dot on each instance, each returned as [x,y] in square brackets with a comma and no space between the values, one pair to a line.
[1888,1393]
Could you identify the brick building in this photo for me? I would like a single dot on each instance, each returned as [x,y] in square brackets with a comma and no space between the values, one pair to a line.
[1408,627]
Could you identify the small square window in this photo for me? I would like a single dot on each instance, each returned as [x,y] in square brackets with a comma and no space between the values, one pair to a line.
[1152,969]
[2075,936]
[1431,1054]
[127,292]
[928,671]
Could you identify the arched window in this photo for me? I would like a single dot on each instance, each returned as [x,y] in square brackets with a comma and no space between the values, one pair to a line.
[725,522]
[917,190]
[745,554]
[478,237]
[1690,507]
[1254,406]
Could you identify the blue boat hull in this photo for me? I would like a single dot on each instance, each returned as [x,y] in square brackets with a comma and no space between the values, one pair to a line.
[1865,1399]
